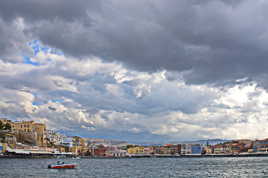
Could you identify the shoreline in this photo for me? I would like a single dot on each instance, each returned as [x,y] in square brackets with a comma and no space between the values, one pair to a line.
[131,157]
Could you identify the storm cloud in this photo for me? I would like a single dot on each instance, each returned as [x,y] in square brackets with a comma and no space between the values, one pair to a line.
[215,40]
[172,69]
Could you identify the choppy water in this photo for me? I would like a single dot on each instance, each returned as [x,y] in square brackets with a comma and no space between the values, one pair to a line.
[141,167]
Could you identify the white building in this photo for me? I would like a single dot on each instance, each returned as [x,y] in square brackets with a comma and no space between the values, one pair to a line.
[54,137]
[114,151]
[67,141]
[186,149]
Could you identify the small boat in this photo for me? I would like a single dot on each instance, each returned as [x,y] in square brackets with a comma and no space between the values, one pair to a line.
[61,165]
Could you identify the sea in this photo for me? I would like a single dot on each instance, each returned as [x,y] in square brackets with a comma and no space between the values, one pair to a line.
[138,167]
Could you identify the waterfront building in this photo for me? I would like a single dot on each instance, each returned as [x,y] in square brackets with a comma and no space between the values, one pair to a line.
[233,147]
[157,150]
[196,149]
[260,145]
[40,129]
[67,142]
[221,149]
[168,149]
[30,132]
[172,149]
[248,144]
[53,137]
[3,147]
[186,149]
[148,150]
[7,137]
[136,150]
[79,141]
[79,145]
[208,149]
[114,151]
[99,151]
[132,150]
[23,126]
[237,148]
[61,148]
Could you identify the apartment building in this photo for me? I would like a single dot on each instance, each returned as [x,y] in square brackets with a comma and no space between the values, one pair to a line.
[31,130]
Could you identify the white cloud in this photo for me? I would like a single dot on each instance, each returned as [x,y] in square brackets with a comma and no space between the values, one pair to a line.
[94,98]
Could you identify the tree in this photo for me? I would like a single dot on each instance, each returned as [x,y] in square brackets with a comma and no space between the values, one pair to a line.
[1,126]
[7,126]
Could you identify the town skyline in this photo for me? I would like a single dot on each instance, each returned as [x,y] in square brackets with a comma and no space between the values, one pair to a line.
[210,141]
[28,139]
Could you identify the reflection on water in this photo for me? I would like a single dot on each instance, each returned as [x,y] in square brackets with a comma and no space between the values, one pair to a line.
[142,167]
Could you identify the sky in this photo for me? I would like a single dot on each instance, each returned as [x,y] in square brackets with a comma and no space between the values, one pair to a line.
[138,71]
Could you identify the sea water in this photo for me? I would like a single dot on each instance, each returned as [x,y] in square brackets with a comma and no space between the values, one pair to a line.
[139,167]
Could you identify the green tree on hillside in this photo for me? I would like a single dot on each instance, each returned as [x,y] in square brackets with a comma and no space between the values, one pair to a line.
[6,126]
[1,126]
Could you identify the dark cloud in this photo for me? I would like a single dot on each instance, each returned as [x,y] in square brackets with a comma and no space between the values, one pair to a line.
[16,32]
[13,41]
[216,40]
[32,10]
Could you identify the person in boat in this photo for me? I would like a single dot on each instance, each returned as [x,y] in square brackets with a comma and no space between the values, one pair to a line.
[60,162]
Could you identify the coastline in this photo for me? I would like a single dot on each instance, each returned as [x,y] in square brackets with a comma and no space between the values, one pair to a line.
[131,157]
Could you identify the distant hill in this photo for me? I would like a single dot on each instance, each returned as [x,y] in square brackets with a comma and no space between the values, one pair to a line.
[149,143]
[106,142]
[202,142]
[209,141]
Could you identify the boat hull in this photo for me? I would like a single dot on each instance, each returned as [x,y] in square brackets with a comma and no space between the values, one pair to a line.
[64,166]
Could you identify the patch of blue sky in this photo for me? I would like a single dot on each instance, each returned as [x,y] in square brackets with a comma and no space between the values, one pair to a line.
[45,49]
[35,45]
[27,60]
[37,103]
[38,47]
[57,100]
